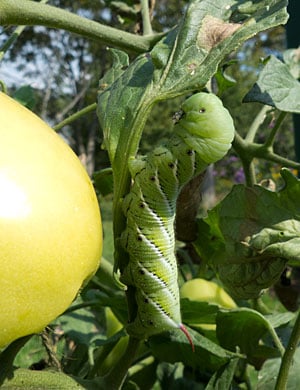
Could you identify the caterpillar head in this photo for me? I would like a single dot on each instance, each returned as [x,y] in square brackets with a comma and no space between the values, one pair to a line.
[206,126]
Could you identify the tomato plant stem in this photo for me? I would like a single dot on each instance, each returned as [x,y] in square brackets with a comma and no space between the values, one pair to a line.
[287,359]
[270,140]
[74,117]
[147,28]
[30,13]
[115,378]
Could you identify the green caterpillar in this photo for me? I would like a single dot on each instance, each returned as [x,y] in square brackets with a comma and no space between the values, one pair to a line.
[202,136]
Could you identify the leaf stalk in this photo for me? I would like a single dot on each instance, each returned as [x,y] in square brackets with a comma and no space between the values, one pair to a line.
[30,13]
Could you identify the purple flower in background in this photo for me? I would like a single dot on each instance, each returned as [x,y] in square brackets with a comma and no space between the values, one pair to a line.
[239,176]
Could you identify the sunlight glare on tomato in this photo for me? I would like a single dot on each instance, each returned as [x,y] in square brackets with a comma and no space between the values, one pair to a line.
[50,223]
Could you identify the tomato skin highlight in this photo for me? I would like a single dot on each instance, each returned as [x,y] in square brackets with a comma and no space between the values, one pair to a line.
[50,223]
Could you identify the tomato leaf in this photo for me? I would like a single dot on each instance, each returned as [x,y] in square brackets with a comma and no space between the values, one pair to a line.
[198,312]
[243,328]
[276,87]
[249,245]
[269,372]
[222,379]
[174,347]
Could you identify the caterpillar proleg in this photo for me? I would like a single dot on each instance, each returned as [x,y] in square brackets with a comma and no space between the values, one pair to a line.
[202,136]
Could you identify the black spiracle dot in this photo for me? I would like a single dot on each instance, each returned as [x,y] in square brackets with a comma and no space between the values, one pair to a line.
[141,272]
[190,152]
[171,165]
[151,322]
[139,238]
[146,300]
[152,178]
[142,205]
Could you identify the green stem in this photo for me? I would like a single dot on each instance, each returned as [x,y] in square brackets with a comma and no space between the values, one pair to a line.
[116,377]
[147,28]
[258,305]
[277,341]
[270,156]
[11,40]
[256,123]
[248,151]
[270,140]
[30,13]
[74,117]
[241,147]
[287,360]
[14,36]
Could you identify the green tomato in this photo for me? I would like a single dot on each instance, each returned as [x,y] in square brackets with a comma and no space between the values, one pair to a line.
[50,223]
[202,290]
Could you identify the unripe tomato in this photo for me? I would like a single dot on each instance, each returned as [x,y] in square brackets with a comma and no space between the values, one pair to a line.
[50,224]
[202,290]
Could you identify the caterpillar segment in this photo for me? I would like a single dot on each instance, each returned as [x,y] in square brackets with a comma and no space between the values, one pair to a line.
[203,135]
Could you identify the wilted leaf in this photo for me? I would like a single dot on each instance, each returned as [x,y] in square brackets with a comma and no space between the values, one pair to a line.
[251,236]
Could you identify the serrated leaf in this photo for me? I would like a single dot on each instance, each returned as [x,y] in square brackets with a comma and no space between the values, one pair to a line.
[255,238]
[118,103]
[276,87]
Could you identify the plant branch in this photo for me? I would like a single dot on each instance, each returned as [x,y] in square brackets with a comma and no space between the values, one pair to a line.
[248,151]
[287,359]
[256,123]
[30,13]
[276,340]
[268,155]
[241,147]
[270,140]
[14,36]
[147,28]
[115,378]
[11,40]
[74,117]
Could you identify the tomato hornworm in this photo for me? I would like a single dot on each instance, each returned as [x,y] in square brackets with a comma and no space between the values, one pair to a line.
[202,135]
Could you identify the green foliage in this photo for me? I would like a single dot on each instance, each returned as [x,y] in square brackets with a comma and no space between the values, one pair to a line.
[282,90]
[250,246]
